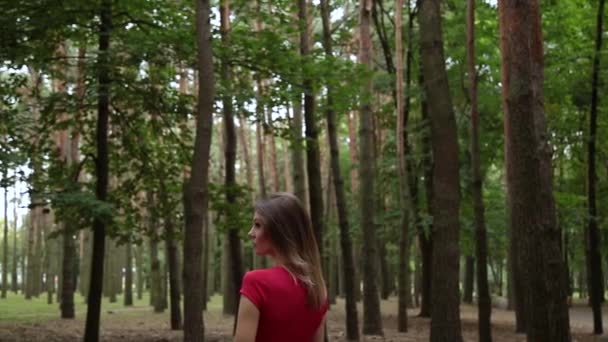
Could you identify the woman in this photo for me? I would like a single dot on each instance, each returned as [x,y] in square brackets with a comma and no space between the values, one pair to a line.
[286,302]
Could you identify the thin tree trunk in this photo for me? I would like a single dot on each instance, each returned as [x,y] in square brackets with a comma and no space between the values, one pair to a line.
[101,171]
[425,237]
[517,288]
[260,153]
[244,136]
[315,191]
[483,293]
[230,147]
[14,281]
[85,262]
[139,265]
[196,191]
[173,268]
[297,155]
[348,269]
[372,319]
[469,279]
[595,274]
[404,191]
[287,172]
[5,239]
[445,312]
[128,298]
[530,176]
[155,267]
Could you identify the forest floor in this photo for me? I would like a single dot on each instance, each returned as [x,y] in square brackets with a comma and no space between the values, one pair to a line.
[140,324]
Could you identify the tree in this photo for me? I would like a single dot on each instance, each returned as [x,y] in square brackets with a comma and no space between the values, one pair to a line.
[594,273]
[483,292]
[313,162]
[529,174]
[372,319]
[230,147]
[101,171]
[196,190]
[5,236]
[445,313]
[352,320]
[404,191]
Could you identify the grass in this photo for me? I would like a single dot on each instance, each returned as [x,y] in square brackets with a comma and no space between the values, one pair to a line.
[16,309]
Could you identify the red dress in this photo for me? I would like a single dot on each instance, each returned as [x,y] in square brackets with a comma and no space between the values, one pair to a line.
[285,314]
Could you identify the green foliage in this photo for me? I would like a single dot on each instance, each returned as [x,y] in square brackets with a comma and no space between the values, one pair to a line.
[237,215]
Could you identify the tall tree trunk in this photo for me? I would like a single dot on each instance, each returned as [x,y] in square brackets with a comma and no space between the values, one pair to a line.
[297,154]
[5,238]
[260,151]
[139,265]
[445,312]
[353,151]
[72,155]
[85,255]
[425,236]
[594,263]
[469,279]
[287,171]
[372,319]
[483,292]
[49,256]
[348,269]
[230,147]
[155,277]
[174,273]
[196,191]
[315,192]
[91,333]
[128,298]
[354,191]
[516,281]
[530,176]
[272,160]
[404,191]
[14,280]
[244,136]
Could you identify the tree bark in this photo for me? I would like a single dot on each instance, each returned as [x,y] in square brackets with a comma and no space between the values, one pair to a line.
[425,236]
[172,261]
[5,239]
[404,192]
[348,269]
[445,312]
[101,171]
[297,155]
[483,292]
[315,191]
[244,136]
[14,281]
[594,257]
[230,147]
[128,298]
[139,265]
[469,279]
[529,174]
[196,191]
[372,319]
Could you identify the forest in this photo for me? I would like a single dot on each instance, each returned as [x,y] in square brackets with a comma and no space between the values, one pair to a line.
[449,153]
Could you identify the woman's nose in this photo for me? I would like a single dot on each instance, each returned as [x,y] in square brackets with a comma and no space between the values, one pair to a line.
[250,233]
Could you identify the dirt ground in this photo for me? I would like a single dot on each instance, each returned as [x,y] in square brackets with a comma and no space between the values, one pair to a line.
[142,325]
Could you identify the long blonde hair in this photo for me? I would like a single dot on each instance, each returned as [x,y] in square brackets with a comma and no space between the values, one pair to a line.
[290,229]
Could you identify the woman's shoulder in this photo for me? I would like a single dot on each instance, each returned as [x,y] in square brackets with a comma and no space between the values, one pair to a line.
[272,275]
[258,274]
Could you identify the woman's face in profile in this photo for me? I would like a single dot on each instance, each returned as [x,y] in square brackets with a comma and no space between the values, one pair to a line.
[259,237]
